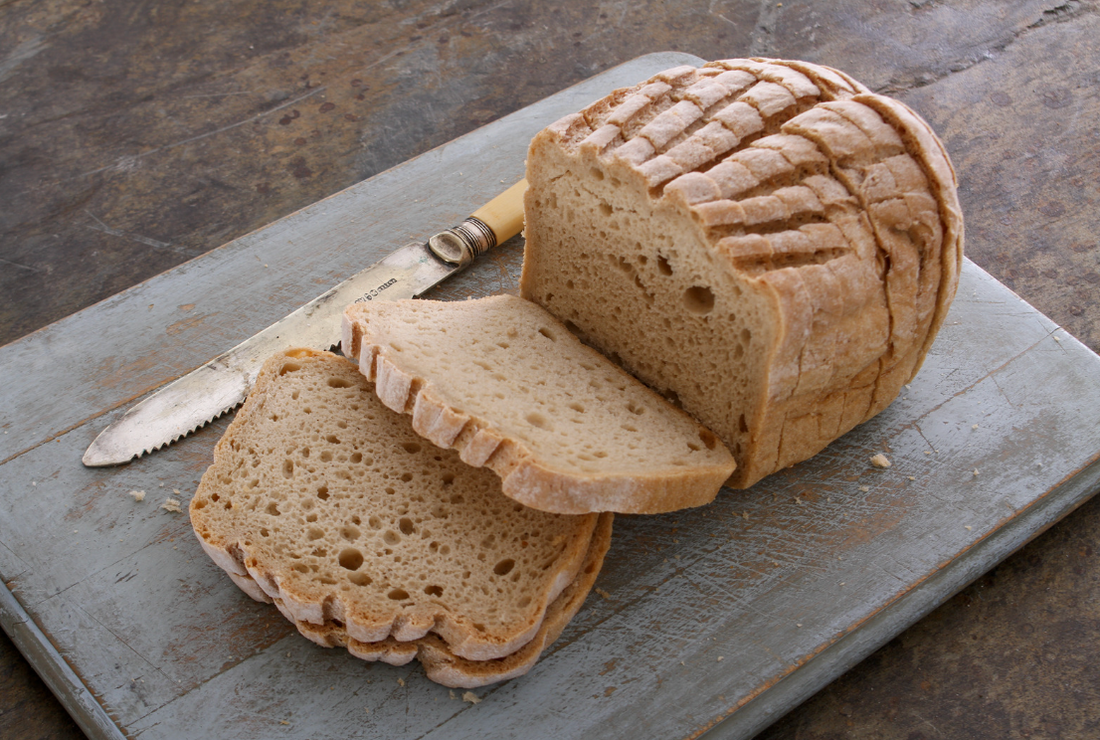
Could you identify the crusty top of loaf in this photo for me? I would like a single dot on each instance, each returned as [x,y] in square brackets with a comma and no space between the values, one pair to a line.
[333,505]
[510,387]
[838,203]
[749,145]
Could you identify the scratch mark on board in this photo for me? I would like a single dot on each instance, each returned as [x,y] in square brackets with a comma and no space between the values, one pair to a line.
[16,264]
[23,51]
[197,137]
[102,227]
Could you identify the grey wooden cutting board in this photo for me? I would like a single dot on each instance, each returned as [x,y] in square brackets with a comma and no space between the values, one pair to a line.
[719,618]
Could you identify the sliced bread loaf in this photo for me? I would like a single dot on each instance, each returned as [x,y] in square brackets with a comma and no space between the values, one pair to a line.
[508,386]
[764,241]
[324,499]
[443,666]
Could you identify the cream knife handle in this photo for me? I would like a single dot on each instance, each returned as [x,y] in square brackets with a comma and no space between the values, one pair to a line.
[504,213]
[497,221]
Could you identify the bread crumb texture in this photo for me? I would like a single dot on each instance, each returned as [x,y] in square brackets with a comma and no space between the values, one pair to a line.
[440,662]
[511,388]
[766,242]
[327,503]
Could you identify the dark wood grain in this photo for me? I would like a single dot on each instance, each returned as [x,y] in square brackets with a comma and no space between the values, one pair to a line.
[135,136]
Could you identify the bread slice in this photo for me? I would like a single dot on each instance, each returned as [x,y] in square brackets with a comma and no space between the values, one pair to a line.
[508,386]
[324,499]
[443,666]
[764,241]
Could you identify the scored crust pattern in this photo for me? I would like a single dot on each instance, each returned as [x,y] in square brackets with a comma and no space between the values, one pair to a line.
[837,203]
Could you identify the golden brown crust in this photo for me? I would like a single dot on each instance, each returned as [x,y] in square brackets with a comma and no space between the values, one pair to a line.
[835,207]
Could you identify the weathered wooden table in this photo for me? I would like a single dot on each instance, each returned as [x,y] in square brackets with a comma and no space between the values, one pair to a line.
[132,141]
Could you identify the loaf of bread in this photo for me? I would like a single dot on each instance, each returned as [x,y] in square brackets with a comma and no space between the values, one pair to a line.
[442,665]
[509,387]
[765,242]
[321,498]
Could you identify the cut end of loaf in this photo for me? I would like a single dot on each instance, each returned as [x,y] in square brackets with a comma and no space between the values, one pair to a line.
[764,241]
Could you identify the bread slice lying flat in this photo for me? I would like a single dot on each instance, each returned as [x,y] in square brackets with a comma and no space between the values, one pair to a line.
[443,666]
[508,386]
[324,499]
[766,241]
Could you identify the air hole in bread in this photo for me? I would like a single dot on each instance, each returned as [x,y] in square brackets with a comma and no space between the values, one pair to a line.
[699,299]
[504,567]
[360,579]
[398,594]
[289,367]
[411,447]
[350,533]
[596,173]
[315,533]
[606,209]
[547,333]
[391,537]
[710,439]
[406,477]
[264,532]
[326,456]
[273,509]
[311,518]
[635,408]
[322,493]
[300,567]
[356,457]
[436,591]
[288,469]
[339,383]
[536,419]
[576,407]
[405,525]
[350,558]
[663,266]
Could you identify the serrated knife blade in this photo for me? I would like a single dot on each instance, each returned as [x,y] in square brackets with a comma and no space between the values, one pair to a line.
[222,384]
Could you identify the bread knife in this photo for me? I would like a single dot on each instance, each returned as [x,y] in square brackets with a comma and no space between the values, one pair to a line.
[222,384]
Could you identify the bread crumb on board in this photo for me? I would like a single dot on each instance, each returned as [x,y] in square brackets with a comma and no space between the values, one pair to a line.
[602,593]
[470,697]
[172,505]
[880,461]
[138,495]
